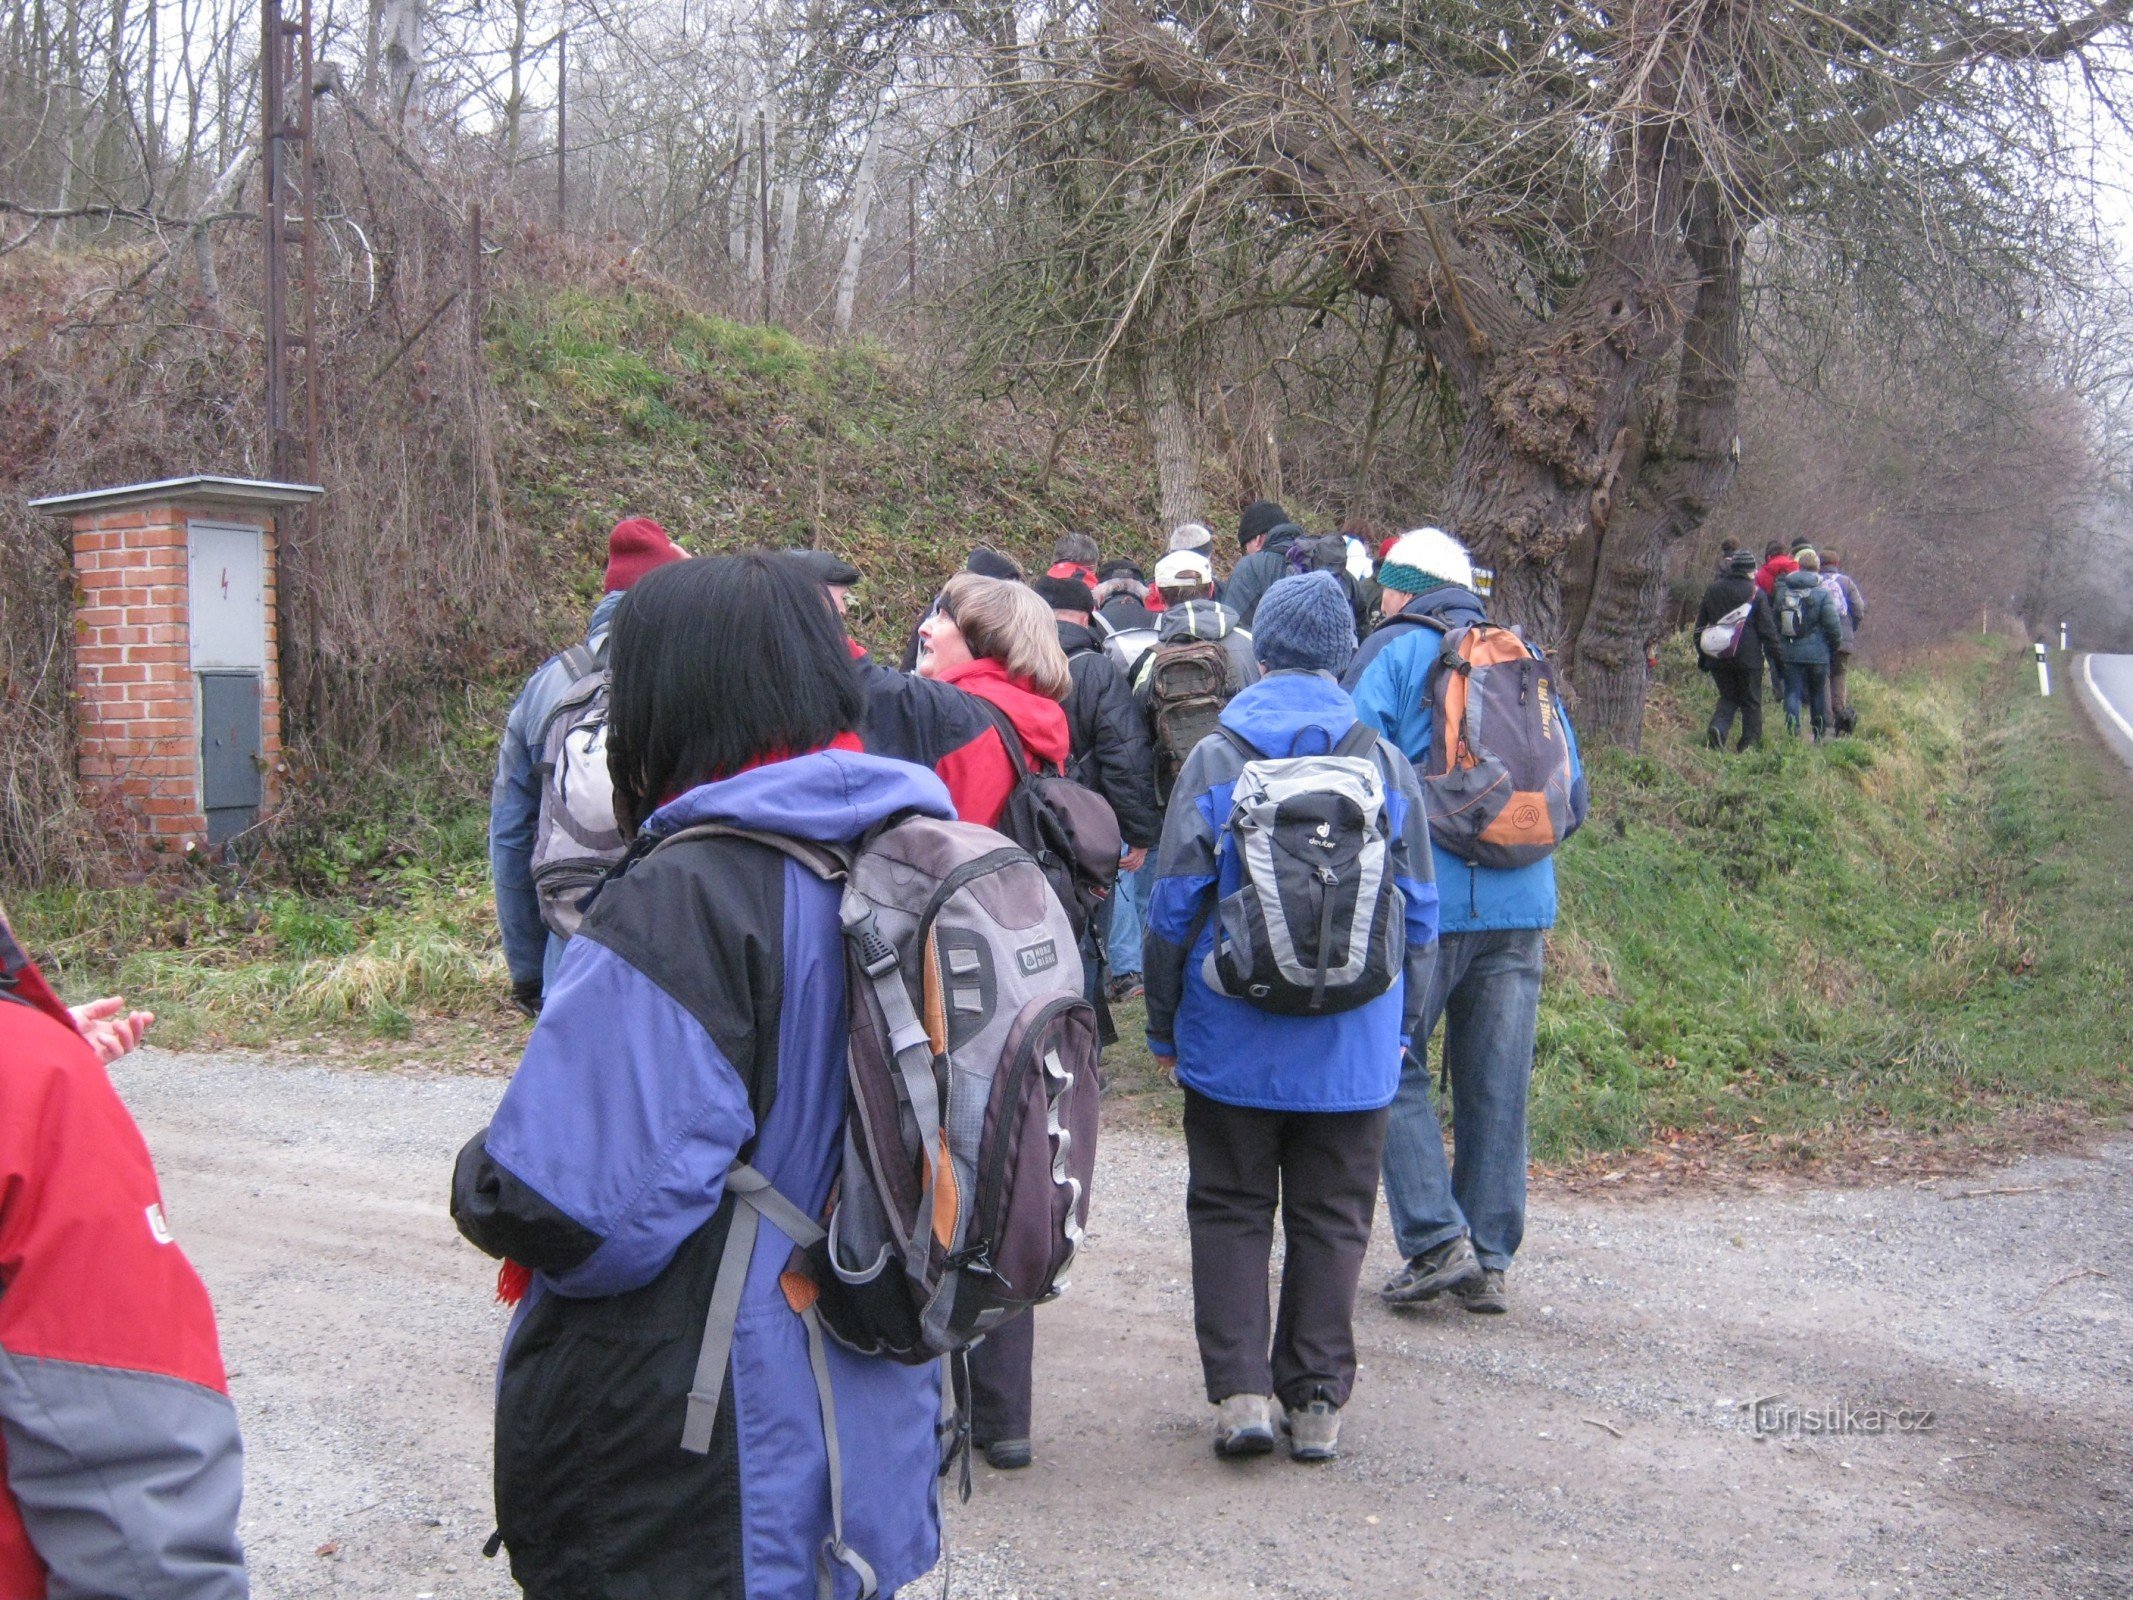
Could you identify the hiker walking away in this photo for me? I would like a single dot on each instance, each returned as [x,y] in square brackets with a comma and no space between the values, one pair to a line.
[122,1463]
[1734,631]
[637,546]
[700,1014]
[1444,671]
[1075,556]
[1776,564]
[1125,602]
[1264,534]
[1851,616]
[1111,753]
[1808,636]
[1427,551]
[1195,665]
[1292,819]
[1198,538]
[998,642]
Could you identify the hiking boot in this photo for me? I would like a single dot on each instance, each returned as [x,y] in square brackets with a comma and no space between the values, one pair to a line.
[1125,986]
[1485,1294]
[1314,1430]
[1007,1455]
[1244,1426]
[1432,1272]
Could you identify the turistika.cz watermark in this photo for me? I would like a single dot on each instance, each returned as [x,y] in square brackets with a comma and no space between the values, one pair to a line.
[1774,1416]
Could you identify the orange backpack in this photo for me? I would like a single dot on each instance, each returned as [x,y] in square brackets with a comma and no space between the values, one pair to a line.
[1499,778]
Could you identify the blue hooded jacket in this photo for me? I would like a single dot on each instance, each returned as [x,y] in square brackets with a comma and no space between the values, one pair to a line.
[1389,696]
[697,1018]
[1230,1050]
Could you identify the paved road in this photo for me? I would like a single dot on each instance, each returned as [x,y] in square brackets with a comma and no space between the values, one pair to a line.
[2105,684]
[361,1332]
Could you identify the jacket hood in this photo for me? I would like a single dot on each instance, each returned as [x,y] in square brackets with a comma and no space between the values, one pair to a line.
[1451,605]
[1291,713]
[829,796]
[1196,619]
[1077,640]
[1282,535]
[1042,723]
[1800,578]
[1123,586]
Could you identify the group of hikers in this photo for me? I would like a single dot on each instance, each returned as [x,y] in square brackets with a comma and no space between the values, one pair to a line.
[810,1096]
[1800,613]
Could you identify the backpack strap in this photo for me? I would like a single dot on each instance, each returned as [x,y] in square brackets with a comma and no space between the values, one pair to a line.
[826,861]
[1017,753]
[1357,741]
[1243,746]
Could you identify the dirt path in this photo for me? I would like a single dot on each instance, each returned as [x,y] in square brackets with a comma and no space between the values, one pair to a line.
[361,1334]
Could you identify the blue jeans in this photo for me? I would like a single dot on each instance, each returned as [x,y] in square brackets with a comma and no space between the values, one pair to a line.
[1129,916]
[1487,989]
[1807,681]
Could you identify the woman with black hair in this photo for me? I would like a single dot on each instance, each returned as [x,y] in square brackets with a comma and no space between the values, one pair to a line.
[698,1019]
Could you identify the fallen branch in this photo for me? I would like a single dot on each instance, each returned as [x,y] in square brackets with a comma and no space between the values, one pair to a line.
[1980,1194]
[2059,1282]
[1607,1426]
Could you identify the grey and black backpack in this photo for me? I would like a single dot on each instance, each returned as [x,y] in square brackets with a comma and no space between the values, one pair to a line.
[576,839]
[970,1128]
[1317,924]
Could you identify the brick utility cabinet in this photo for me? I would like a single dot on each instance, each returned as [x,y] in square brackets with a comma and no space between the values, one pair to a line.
[178,692]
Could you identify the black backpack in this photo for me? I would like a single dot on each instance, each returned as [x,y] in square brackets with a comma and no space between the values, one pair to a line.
[1070,830]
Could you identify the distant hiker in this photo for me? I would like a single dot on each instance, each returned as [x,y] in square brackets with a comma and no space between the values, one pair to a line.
[837,576]
[1734,631]
[701,1016]
[1776,564]
[1109,737]
[1192,666]
[1851,613]
[1809,635]
[1075,556]
[1199,539]
[1264,534]
[1125,600]
[123,1466]
[1442,671]
[986,562]
[1287,1060]
[998,642]
[637,546]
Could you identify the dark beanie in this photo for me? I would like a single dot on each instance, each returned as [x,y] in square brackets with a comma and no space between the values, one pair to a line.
[826,568]
[1064,594]
[989,563]
[637,545]
[1261,516]
[1305,622]
[1741,563]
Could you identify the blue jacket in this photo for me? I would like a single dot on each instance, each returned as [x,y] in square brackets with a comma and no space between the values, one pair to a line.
[698,1016]
[1228,1049]
[515,809]
[1389,696]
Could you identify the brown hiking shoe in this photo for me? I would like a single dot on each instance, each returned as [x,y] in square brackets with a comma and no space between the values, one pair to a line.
[1485,1294]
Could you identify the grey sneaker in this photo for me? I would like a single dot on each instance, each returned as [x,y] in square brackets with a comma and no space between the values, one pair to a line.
[1314,1431]
[1432,1272]
[1244,1426]
[1485,1294]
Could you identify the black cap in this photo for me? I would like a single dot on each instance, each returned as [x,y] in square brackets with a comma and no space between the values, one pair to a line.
[826,568]
[989,563]
[1261,516]
[1065,594]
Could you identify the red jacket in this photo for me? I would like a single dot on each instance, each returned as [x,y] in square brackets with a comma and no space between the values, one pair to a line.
[1767,575]
[117,1438]
[978,775]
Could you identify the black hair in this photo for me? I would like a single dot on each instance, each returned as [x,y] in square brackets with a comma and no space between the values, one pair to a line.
[1064,594]
[1776,547]
[715,665]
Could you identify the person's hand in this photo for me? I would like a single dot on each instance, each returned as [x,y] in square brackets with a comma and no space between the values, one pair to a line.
[109,1027]
[1166,1065]
[1133,860]
[526,995]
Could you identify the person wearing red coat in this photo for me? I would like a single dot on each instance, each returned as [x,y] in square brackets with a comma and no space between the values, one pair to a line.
[120,1464]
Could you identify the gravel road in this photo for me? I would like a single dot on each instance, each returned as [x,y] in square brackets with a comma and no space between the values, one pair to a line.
[1593,1443]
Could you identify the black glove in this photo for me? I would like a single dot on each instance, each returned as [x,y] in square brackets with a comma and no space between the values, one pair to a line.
[526,995]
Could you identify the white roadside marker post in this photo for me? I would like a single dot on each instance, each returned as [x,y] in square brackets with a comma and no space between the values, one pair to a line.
[2044,672]
[2062,638]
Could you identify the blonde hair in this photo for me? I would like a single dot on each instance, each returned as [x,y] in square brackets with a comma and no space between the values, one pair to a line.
[1007,623]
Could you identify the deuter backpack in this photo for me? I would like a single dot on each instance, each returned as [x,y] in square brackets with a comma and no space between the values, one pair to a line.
[1071,831]
[1189,682]
[1498,778]
[576,839]
[1317,924]
[1721,640]
[970,1126]
[1792,611]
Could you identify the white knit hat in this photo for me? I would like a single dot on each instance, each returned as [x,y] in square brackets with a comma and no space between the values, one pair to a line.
[1433,553]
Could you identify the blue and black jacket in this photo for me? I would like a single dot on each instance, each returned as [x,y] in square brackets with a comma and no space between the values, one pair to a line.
[697,1018]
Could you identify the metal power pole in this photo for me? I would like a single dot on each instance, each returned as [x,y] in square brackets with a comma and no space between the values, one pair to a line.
[290,168]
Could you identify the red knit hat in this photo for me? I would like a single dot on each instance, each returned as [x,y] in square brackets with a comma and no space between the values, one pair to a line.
[637,545]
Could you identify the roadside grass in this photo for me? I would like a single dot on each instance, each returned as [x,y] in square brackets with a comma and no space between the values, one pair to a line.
[1816,953]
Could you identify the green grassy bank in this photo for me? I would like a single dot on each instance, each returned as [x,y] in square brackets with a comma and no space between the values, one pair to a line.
[1920,930]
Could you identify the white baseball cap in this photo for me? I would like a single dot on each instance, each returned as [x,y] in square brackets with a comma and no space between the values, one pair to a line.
[1183,568]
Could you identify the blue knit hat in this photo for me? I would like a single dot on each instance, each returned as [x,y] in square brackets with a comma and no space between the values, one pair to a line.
[1305,622]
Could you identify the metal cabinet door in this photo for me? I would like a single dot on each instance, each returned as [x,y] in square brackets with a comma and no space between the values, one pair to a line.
[230,778]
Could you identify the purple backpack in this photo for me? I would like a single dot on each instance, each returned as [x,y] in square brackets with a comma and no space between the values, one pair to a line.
[970,1134]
